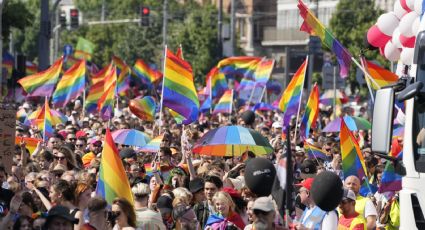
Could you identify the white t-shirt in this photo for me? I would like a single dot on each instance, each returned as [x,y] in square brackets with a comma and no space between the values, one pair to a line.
[329,222]
[369,209]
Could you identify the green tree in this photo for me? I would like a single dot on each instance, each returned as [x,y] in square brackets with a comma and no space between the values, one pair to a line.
[350,23]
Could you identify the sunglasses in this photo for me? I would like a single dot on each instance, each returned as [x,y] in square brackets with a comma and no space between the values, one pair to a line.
[79,145]
[59,158]
[72,139]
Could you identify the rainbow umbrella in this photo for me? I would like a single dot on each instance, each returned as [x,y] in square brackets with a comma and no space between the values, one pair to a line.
[130,137]
[153,145]
[232,141]
[353,123]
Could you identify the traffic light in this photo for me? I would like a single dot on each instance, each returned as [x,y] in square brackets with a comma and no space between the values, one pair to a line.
[62,19]
[74,15]
[144,15]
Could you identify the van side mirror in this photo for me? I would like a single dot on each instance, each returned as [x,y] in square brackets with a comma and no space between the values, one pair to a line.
[410,91]
[382,122]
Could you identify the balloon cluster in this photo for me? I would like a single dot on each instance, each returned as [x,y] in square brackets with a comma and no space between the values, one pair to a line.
[395,32]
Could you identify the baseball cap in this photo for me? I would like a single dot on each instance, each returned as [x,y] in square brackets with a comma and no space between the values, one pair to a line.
[62,212]
[308,167]
[264,204]
[348,194]
[196,185]
[306,183]
[165,204]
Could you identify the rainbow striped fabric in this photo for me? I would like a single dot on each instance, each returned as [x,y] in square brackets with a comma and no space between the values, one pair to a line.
[352,158]
[179,92]
[239,66]
[113,181]
[96,90]
[224,105]
[246,84]
[42,83]
[123,73]
[290,101]
[147,107]
[153,145]
[48,127]
[71,85]
[145,73]
[311,112]
[216,82]
[31,143]
[263,71]
[390,180]
[101,75]
[8,63]
[313,26]
[314,152]
[149,170]
[105,104]
[30,68]
[381,77]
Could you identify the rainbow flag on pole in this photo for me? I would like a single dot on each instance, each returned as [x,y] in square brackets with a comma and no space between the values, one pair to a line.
[216,83]
[113,181]
[242,66]
[381,77]
[179,93]
[263,71]
[42,83]
[96,90]
[390,181]
[224,105]
[314,152]
[311,111]
[101,75]
[48,128]
[106,101]
[145,73]
[313,26]
[123,73]
[291,98]
[71,85]
[30,68]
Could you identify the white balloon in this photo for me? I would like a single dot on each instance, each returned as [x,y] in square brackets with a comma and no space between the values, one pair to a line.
[392,53]
[398,9]
[406,22]
[415,25]
[406,56]
[387,23]
[418,7]
[410,4]
[396,38]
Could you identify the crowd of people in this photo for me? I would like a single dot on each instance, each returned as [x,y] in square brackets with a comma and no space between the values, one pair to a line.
[54,187]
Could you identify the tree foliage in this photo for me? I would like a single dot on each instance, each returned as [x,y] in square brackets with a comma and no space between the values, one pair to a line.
[16,15]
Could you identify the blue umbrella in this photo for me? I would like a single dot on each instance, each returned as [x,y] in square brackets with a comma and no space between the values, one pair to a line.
[130,137]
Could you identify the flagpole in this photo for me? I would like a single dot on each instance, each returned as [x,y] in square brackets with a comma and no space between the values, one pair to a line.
[366,74]
[252,94]
[299,106]
[210,96]
[84,101]
[181,49]
[162,90]
[262,94]
[231,106]
[44,131]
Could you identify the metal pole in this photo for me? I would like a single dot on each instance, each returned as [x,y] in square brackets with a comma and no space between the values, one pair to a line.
[232,27]
[56,48]
[220,29]
[164,28]
[102,15]
[44,36]
[1,48]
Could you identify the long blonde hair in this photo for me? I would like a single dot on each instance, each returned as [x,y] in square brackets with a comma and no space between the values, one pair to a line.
[224,196]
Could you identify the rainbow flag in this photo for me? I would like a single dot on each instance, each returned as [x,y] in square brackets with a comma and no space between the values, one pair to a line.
[48,128]
[149,169]
[313,26]
[314,152]
[113,181]
[262,106]
[206,105]
[179,52]
[146,74]
[147,107]
[242,66]
[246,84]
[290,101]
[263,71]
[101,75]
[153,145]
[31,143]
[84,49]
[8,63]
[179,93]
[390,181]
[381,77]
[38,116]
[352,158]
[177,117]
[123,73]
[30,68]
[224,105]
[311,112]
[216,82]
[96,90]
[42,83]
[105,104]
[71,85]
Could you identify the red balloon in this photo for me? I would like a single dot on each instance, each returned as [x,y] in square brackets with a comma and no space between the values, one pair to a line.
[408,42]
[137,109]
[376,38]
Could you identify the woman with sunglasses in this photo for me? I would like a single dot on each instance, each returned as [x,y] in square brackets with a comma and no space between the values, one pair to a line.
[64,156]
[124,215]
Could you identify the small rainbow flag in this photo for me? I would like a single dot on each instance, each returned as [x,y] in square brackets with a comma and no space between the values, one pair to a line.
[147,107]
[123,73]
[224,105]
[146,74]
[42,83]
[179,93]
[47,128]
[153,145]
[243,66]
[101,75]
[216,82]
[381,77]
[30,68]
[106,101]
[263,71]
[245,84]
[71,85]
[390,180]
[38,116]
[313,26]
[314,152]
[31,143]
[149,170]
[311,112]
[291,98]
[113,181]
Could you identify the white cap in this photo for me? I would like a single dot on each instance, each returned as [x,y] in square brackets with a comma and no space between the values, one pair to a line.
[277,125]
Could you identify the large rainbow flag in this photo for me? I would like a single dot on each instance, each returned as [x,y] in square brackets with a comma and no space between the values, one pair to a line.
[290,101]
[311,112]
[263,71]
[71,85]
[179,93]
[313,26]
[381,77]
[224,105]
[239,66]
[101,75]
[113,181]
[145,73]
[42,83]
